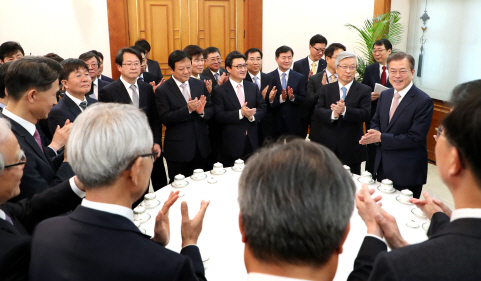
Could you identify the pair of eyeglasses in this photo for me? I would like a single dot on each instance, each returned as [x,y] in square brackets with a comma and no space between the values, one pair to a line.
[135,64]
[345,67]
[319,50]
[377,51]
[23,160]
[153,155]
[240,66]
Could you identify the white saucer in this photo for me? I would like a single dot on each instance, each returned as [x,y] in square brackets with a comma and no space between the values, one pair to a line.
[181,194]
[426,225]
[199,179]
[143,217]
[237,170]
[212,180]
[412,224]
[390,191]
[371,182]
[224,171]
[152,204]
[405,203]
[418,213]
[179,186]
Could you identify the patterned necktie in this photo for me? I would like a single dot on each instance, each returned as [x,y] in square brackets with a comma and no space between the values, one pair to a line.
[7,218]
[83,105]
[383,76]
[140,79]
[256,80]
[344,92]
[36,136]
[135,96]
[333,78]
[314,68]
[284,86]
[185,92]
[216,75]
[395,103]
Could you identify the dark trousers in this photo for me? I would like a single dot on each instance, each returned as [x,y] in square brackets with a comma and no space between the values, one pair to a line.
[355,168]
[371,157]
[187,168]
[228,161]
[158,176]
[305,122]
[416,189]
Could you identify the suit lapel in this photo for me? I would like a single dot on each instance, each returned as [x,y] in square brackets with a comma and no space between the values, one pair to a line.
[384,111]
[72,107]
[321,65]
[122,92]
[23,133]
[232,96]
[176,91]
[351,93]
[402,105]
[194,91]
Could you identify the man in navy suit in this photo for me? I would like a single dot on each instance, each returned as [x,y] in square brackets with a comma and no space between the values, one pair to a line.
[290,96]
[308,66]
[128,90]
[99,240]
[339,115]
[239,108]
[144,76]
[452,251]
[213,70]
[76,80]
[265,83]
[399,128]
[93,63]
[184,107]
[376,73]
[32,84]
[153,66]
[101,67]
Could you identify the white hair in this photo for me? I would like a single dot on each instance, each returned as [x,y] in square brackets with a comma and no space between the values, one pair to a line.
[104,139]
[345,55]
[4,134]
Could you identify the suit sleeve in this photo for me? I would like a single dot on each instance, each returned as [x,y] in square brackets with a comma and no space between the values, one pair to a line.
[209,110]
[167,116]
[365,78]
[321,112]
[375,121]
[370,249]
[194,264]
[438,222]
[221,115]
[300,96]
[104,96]
[416,135]
[155,123]
[56,117]
[362,113]
[261,106]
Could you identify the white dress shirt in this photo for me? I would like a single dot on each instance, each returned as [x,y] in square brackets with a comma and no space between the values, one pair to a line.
[254,276]
[402,93]
[380,72]
[466,213]
[2,215]
[341,93]
[329,74]
[234,84]
[287,82]
[129,90]
[96,88]
[196,77]
[76,100]
[110,208]
[310,63]
[2,105]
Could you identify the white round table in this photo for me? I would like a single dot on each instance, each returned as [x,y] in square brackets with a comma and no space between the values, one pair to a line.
[220,239]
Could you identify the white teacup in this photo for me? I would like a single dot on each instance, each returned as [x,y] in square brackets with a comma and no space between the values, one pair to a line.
[406,194]
[179,180]
[387,185]
[198,174]
[238,164]
[348,169]
[366,177]
[218,168]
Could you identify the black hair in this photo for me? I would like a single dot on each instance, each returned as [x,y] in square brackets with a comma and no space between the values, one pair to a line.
[98,54]
[139,49]
[383,42]
[401,56]
[210,50]
[3,73]
[231,56]
[332,48]
[318,38]
[69,66]
[176,56]
[252,50]
[54,56]
[88,55]
[143,43]
[9,48]
[194,50]
[284,49]
[119,58]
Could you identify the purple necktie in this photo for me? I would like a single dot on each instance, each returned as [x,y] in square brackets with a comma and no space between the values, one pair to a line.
[36,136]
[7,218]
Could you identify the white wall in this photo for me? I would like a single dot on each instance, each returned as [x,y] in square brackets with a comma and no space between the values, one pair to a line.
[293,23]
[402,6]
[452,46]
[67,28]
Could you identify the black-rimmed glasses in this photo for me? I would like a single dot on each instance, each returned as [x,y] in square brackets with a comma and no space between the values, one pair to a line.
[23,160]
[153,155]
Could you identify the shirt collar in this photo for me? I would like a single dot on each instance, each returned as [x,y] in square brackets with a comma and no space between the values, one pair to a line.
[127,84]
[74,99]
[218,72]
[348,86]
[252,75]
[329,74]
[254,276]
[96,82]
[234,83]
[24,123]
[196,77]
[2,215]
[2,105]
[404,91]
[179,83]
[311,61]
[109,208]
[280,72]
[467,213]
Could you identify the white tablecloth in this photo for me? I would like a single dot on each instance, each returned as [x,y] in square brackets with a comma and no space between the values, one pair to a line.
[221,240]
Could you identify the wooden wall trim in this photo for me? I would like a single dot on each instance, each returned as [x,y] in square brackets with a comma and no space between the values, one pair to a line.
[118,21]
[253,24]
[382,7]
[441,109]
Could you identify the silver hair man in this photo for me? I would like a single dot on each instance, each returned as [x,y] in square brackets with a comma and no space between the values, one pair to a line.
[296,200]
[104,139]
[345,55]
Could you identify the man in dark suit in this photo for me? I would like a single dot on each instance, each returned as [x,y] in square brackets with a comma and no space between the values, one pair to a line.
[290,96]
[184,107]
[100,76]
[339,115]
[239,108]
[399,128]
[3,95]
[153,66]
[213,70]
[93,63]
[101,231]
[144,76]
[265,84]
[452,251]
[130,91]
[76,80]
[376,73]
[32,84]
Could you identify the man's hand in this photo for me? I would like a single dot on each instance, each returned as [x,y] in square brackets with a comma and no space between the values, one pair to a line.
[272,94]
[247,112]
[284,94]
[190,229]
[368,209]
[192,104]
[60,137]
[429,206]
[390,229]
[372,136]
[223,78]
[202,102]
[155,86]
[310,74]
[375,96]
[208,85]
[324,79]
[291,93]
[162,224]
[158,149]
[264,92]
[341,106]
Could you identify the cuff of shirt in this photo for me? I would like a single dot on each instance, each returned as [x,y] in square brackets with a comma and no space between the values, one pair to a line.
[332,116]
[253,119]
[75,188]
[293,99]
[240,115]
[202,115]
[281,100]
[53,150]
[344,113]
[375,236]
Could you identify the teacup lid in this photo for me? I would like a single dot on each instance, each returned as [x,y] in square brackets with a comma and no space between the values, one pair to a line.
[149,196]
[387,182]
[139,210]
[239,161]
[179,177]
[366,174]
[218,165]
[406,192]
[198,171]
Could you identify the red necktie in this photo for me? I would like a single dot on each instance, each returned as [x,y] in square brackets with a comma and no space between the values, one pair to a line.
[383,76]
[36,136]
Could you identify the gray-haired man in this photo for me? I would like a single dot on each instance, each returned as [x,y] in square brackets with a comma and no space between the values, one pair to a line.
[340,112]
[295,204]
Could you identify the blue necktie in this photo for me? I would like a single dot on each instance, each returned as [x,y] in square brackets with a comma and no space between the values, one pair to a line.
[7,218]
[216,77]
[284,81]
[344,91]
[256,80]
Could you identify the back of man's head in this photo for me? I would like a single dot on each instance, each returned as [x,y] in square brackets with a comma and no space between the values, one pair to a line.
[103,141]
[295,201]
[3,72]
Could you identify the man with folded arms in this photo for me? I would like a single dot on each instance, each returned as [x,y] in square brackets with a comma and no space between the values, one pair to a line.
[452,251]
[99,241]
[17,220]
[295,202]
